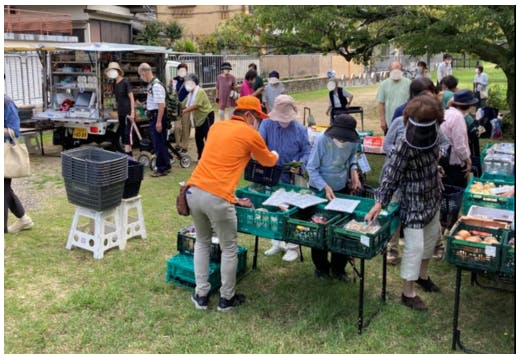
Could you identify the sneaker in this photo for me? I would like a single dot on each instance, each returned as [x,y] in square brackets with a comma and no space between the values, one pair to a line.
[20,224]
[291,255]
[158,174]
[428,285]
[343,277]
[225,305]
[322,275]
[413,302]
[201,302]
[275,249]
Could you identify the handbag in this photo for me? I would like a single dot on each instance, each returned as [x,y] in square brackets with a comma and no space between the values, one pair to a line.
[483,94]
[182,202]
[16,158]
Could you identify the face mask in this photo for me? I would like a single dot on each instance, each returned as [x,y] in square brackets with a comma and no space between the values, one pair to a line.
[449,61]
[420,69]
[226,71]
[476,71]
[331,85]
[339,143]
[112,74]
[284,124]
[273,81]
[396,74]
[189,86]
[182,72]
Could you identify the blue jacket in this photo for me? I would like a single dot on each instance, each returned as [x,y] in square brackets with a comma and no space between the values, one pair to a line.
[11,118]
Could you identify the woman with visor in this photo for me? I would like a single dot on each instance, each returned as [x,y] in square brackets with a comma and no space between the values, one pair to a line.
[413,169]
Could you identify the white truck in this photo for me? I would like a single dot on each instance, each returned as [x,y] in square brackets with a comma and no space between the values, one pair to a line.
[77,96]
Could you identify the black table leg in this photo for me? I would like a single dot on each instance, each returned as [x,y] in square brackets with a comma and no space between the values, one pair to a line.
[383,290]
[456,332]
[255,255]
[301,253]
[361,292]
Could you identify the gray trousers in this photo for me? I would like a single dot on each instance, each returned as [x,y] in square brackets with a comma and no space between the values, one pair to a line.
[214,215]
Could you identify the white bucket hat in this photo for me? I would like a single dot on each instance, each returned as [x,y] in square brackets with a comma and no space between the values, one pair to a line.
[115,65]
[284,109]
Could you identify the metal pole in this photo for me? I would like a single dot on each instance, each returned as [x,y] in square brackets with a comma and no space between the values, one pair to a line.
[383,290]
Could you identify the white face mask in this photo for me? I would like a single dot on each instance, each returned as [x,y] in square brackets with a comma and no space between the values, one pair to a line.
[273,81]
[339,143]
[182,72]
[189,86]
[226,71]
[112,74]
[396,74]
[476,70]
[331,85]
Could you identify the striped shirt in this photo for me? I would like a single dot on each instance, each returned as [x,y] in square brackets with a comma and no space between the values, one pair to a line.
[414,172]
[156,95]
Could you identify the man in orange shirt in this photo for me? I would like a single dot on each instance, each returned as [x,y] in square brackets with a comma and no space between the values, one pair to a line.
[211,196]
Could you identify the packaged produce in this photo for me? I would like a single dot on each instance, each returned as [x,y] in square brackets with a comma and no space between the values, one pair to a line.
[486,188]
[319,219]
[476,236]
[362,227]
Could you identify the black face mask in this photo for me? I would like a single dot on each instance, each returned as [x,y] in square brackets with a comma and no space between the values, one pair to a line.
[421,135]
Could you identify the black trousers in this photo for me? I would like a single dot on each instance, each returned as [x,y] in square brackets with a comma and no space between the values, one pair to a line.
[455,175]
[337,263]
[201,133]
[11,203]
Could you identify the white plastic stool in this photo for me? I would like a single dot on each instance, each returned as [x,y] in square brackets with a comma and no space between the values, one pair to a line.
[100,233]
[132,219]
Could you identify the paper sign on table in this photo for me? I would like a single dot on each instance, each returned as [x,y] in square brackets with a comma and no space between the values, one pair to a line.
[342,205]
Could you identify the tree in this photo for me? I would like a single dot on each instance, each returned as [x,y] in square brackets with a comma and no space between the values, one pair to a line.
[353,32]
[157,33]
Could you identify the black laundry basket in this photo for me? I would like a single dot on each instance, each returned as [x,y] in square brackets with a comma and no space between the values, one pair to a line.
[451,202]
[257,173]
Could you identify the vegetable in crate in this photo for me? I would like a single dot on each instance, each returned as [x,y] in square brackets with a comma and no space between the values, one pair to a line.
[319,219]
[362,227]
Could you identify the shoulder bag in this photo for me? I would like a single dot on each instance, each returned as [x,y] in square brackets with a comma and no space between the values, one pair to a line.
[16,158]
[182,202]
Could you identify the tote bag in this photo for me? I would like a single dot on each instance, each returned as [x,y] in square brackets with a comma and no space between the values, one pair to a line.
[16,158]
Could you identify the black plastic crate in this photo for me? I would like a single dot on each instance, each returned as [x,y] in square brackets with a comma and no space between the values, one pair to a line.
[451,202]
[133,182]
[259,174]
[94,165]
[98,198]
[186,244]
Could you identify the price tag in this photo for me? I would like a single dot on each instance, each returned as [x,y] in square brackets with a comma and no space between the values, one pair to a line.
[490,251]
[365,240]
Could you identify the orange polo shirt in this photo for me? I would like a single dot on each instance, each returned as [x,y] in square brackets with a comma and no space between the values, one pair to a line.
[227,151]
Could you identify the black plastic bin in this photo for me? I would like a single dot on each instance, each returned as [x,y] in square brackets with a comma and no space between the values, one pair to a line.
[257,173]
[133,182]
[94,166]
[95,197]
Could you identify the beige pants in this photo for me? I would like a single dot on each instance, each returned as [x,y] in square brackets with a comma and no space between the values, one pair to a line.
[418,246]
[181,130]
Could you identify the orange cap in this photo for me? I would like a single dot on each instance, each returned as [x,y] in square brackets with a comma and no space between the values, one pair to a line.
[250,103]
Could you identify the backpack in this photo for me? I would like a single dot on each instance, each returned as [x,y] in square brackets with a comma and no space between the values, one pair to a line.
[171,103]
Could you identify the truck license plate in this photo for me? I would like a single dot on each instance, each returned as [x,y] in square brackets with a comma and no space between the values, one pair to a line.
[79,133]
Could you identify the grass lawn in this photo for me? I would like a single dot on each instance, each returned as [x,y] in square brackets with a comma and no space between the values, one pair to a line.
[61,301]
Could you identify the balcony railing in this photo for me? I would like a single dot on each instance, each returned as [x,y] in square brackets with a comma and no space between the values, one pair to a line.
[36,22]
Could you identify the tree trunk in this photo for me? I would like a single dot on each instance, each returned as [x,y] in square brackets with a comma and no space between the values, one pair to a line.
[511,94]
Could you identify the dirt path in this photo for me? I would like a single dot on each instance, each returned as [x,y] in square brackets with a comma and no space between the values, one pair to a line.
[46,180]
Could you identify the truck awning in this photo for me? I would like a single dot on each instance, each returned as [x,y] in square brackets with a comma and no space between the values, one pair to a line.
[91,47]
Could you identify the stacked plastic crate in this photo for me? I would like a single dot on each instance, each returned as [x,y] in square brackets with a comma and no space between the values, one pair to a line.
[180,268]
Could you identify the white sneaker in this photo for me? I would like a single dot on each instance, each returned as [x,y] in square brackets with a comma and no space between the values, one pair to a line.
[275,249]
[20,224]
[291,255]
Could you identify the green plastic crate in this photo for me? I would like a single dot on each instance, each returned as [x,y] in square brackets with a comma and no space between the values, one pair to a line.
[390,212]
[180,269]
[264,190]
[266,224]
[300,230]
[499,178]
[356,244]
[507,264]
[473,198]
[475,256]
[483,153]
